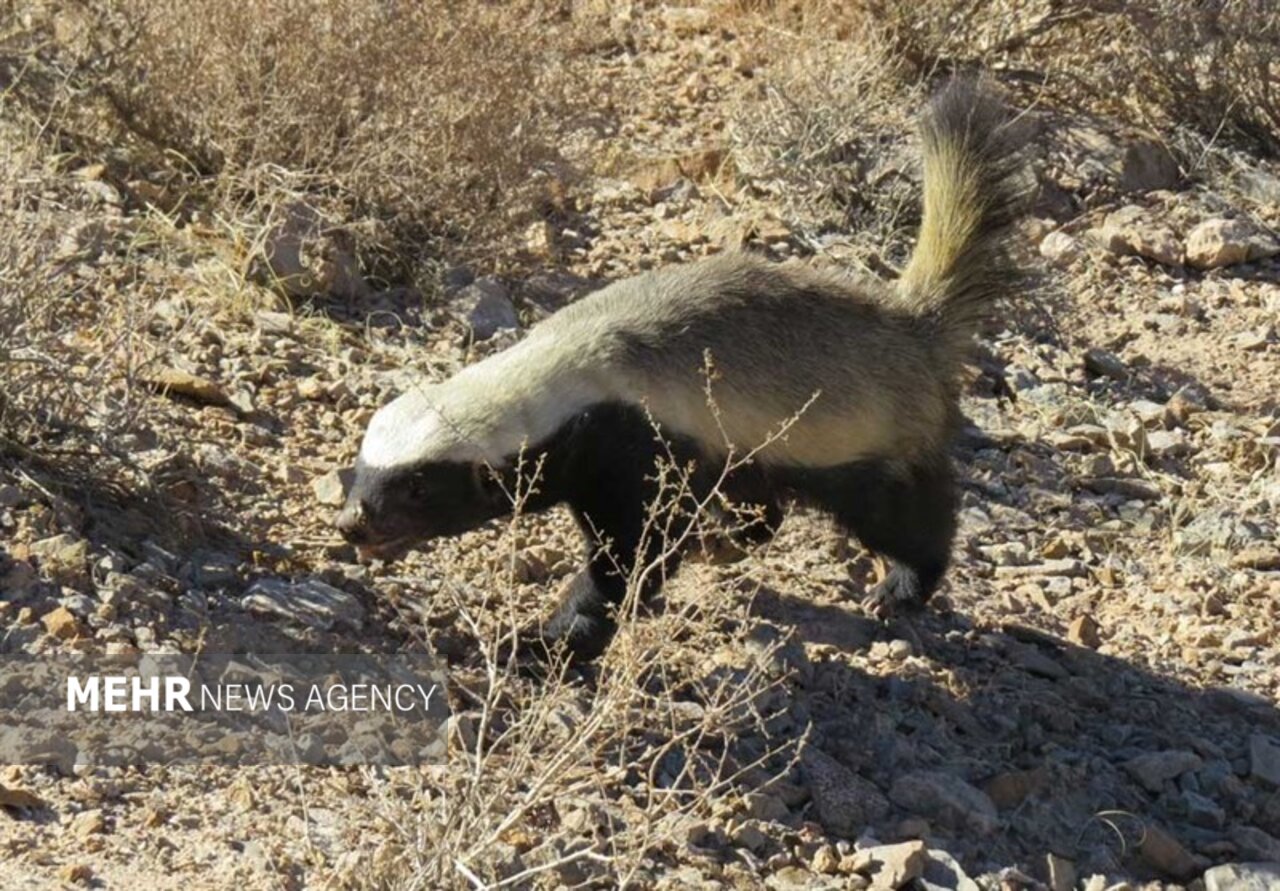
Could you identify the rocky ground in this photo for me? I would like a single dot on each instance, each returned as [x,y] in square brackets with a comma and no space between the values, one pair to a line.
[1091,703]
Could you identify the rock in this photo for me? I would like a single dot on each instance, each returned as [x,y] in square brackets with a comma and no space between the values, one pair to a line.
[311,602]
[1130,231]
[1167,443]
[11,496]
[20,799]
[1103,363]
[1062,873]
[825,860]
[947,799]
[1061,249]
[749,836]
[303,254]
[1154,769]
[90,822]
[892,866]
[844,802]
[76,873]
[1264,759]
[1147,166]
[331,489]
[280,324]
[486,305]
[1008,790]
[176,382]
[763,806]
[1255,844]
[1084,632]
[63,558]
[943,873]
[1203,811]
[1243,877]
[63,624]
[1221,242]
[1165,854]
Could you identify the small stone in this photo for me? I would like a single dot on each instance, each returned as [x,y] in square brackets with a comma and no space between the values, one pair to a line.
[278,324]
[1062,873]
[310,602]
[825,861]
[1130,231]
[1221,242]
[1154,769]
[892,866]
[1008,790]
[843,801]
[88,823]
[63,624]
[64,558]
[20,799]
[1254,844]
[762,806]
[749,836]
[11,496]
[1203,811]
[1243,877]
[486,305]
[942,872]
[1061,249]
[900,649]
[176,382]
[1264,759]
[1084,632]
[311,388]
[76,873]
[946,798]
[331,489]
[1103,363]
[1165,854]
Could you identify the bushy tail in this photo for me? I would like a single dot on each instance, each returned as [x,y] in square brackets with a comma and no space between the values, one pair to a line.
[974,186]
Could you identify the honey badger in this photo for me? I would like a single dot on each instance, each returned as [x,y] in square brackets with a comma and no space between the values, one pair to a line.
[874,367]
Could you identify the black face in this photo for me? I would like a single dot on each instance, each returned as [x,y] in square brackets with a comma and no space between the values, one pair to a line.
[390,510]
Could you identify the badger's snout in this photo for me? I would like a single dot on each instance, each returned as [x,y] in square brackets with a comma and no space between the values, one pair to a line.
[353,521]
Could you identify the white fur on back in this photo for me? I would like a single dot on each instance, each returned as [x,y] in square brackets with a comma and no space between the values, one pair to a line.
[776,337]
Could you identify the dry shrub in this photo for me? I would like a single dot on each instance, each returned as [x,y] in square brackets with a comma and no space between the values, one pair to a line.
[596,779]
[431,116]
[1214,67]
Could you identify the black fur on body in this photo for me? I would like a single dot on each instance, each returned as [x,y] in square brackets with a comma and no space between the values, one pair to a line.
[872,372]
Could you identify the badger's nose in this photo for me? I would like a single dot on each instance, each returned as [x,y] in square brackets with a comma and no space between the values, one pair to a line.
[353,520]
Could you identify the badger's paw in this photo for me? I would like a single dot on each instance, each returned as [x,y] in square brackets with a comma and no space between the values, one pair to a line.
[900,594]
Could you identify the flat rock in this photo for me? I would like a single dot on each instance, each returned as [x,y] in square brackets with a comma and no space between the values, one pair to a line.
[1061,249]
[942,872]
[63,624]
[891,866]
[946,798]
[1264,759]
[1154,769]
[331,489]
[1165,854]
[176,382]
[1255,844]
[1130,230]
[486,305]
[1243,877]
[310,602]
[1222,242]
[845,803]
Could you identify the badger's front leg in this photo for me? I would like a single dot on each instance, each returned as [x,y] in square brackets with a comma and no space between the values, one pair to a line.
[609,473]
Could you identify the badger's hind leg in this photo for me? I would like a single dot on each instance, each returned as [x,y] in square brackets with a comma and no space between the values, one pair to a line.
[906,515]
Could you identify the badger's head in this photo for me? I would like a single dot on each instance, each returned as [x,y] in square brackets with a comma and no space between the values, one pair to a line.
[416,478]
